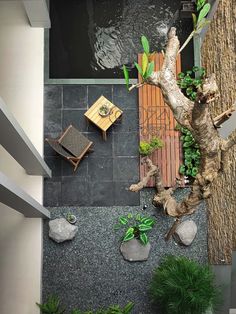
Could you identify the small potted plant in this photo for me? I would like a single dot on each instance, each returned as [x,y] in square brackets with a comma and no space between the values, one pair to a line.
[71,218]
[104,110]
[135,244]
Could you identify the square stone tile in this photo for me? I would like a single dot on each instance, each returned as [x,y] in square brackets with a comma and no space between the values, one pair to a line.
[100,168]
[124,197]
[101,193]
[52,121]
[101,148]
[82,171]
[74,192]
[126,144]
[52,193]
[52,96]
[126,169]
[124,99]
[75,96]
[76,118]
[48,151]
[54,163]
[128,122]
[95,91]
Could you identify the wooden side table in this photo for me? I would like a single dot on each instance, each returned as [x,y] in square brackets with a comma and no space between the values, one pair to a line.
[101,122]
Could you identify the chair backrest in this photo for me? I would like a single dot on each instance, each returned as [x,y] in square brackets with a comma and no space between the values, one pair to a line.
[58,148]
[74,141]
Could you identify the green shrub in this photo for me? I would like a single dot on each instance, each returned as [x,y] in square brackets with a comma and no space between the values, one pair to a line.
[182,286]
[146,148]
[136,227]
[114,309]
[51,306]
[191,152]
[189,82]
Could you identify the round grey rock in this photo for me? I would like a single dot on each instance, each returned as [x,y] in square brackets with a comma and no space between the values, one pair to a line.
[186,232]
[61,230]
[134,251]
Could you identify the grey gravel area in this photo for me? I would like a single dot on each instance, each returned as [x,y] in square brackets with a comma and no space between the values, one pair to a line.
[89,272]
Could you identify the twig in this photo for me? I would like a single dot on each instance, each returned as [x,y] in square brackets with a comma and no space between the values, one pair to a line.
[172,229]
[136,85]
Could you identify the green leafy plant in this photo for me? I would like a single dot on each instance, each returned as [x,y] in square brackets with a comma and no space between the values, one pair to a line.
[51,306]
[192,154]
[180,285]
[146,148]
[199,22]
[136,227]
[200,4]
[147,64]
[114,309]
[190,81]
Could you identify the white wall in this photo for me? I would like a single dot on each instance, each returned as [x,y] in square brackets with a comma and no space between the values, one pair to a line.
[21,87]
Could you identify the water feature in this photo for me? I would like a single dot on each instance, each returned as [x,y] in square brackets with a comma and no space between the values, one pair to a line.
[94,38]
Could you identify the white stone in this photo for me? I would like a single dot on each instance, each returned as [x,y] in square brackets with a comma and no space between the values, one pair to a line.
[134,250]
[61,230]
[186,232]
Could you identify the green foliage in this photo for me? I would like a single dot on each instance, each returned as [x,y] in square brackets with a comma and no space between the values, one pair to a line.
[192,154]
[146,148]
[126,75]
[52,306]
[137,227]
[190,81]
[200,4]
[180,285]
[145,44]
[114,309]
[199,22]
[147,67]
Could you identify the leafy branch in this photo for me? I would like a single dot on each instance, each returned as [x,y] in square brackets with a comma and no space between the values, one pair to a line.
[145,70]
[198,22]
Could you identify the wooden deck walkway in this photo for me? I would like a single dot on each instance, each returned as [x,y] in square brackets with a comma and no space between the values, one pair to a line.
[156,119]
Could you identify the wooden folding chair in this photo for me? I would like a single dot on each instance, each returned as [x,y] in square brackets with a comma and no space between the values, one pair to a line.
[72,145]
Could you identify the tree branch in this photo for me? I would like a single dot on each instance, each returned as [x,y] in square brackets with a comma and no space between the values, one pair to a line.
[153,171]
[224,116]
[166,80]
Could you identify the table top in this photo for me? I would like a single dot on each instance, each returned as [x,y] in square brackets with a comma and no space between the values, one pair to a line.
[74,141]
[103,122]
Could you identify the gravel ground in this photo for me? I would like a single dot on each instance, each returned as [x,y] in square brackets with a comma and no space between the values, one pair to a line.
[89,272]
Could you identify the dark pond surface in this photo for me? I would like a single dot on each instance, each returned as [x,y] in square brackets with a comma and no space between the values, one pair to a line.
[94,38]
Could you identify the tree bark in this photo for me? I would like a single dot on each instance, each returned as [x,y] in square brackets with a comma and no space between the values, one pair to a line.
[197,118]
[219,57]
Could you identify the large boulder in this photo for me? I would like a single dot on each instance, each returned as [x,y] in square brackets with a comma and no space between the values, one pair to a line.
[61,230]
[134,251]
[186,232]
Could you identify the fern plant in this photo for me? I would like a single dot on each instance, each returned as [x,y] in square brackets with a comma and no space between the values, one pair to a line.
[180,285]
[51,306]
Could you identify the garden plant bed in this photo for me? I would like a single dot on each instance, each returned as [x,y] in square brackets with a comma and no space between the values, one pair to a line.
[89,272]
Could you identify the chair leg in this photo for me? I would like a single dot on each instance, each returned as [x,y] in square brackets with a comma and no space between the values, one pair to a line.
[76,165]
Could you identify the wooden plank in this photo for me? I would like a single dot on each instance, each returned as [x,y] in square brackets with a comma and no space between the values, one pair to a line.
[156,119]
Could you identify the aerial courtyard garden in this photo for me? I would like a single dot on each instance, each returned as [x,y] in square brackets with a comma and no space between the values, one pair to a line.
[128,230]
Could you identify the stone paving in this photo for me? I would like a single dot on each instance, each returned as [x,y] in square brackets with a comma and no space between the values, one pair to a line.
[103,177]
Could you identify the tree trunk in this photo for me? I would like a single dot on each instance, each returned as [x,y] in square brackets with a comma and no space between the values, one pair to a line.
[219,57]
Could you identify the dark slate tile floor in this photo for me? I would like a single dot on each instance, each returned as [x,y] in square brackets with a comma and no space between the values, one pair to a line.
[103,176]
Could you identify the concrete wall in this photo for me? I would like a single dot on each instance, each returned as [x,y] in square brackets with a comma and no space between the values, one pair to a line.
[21,87]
